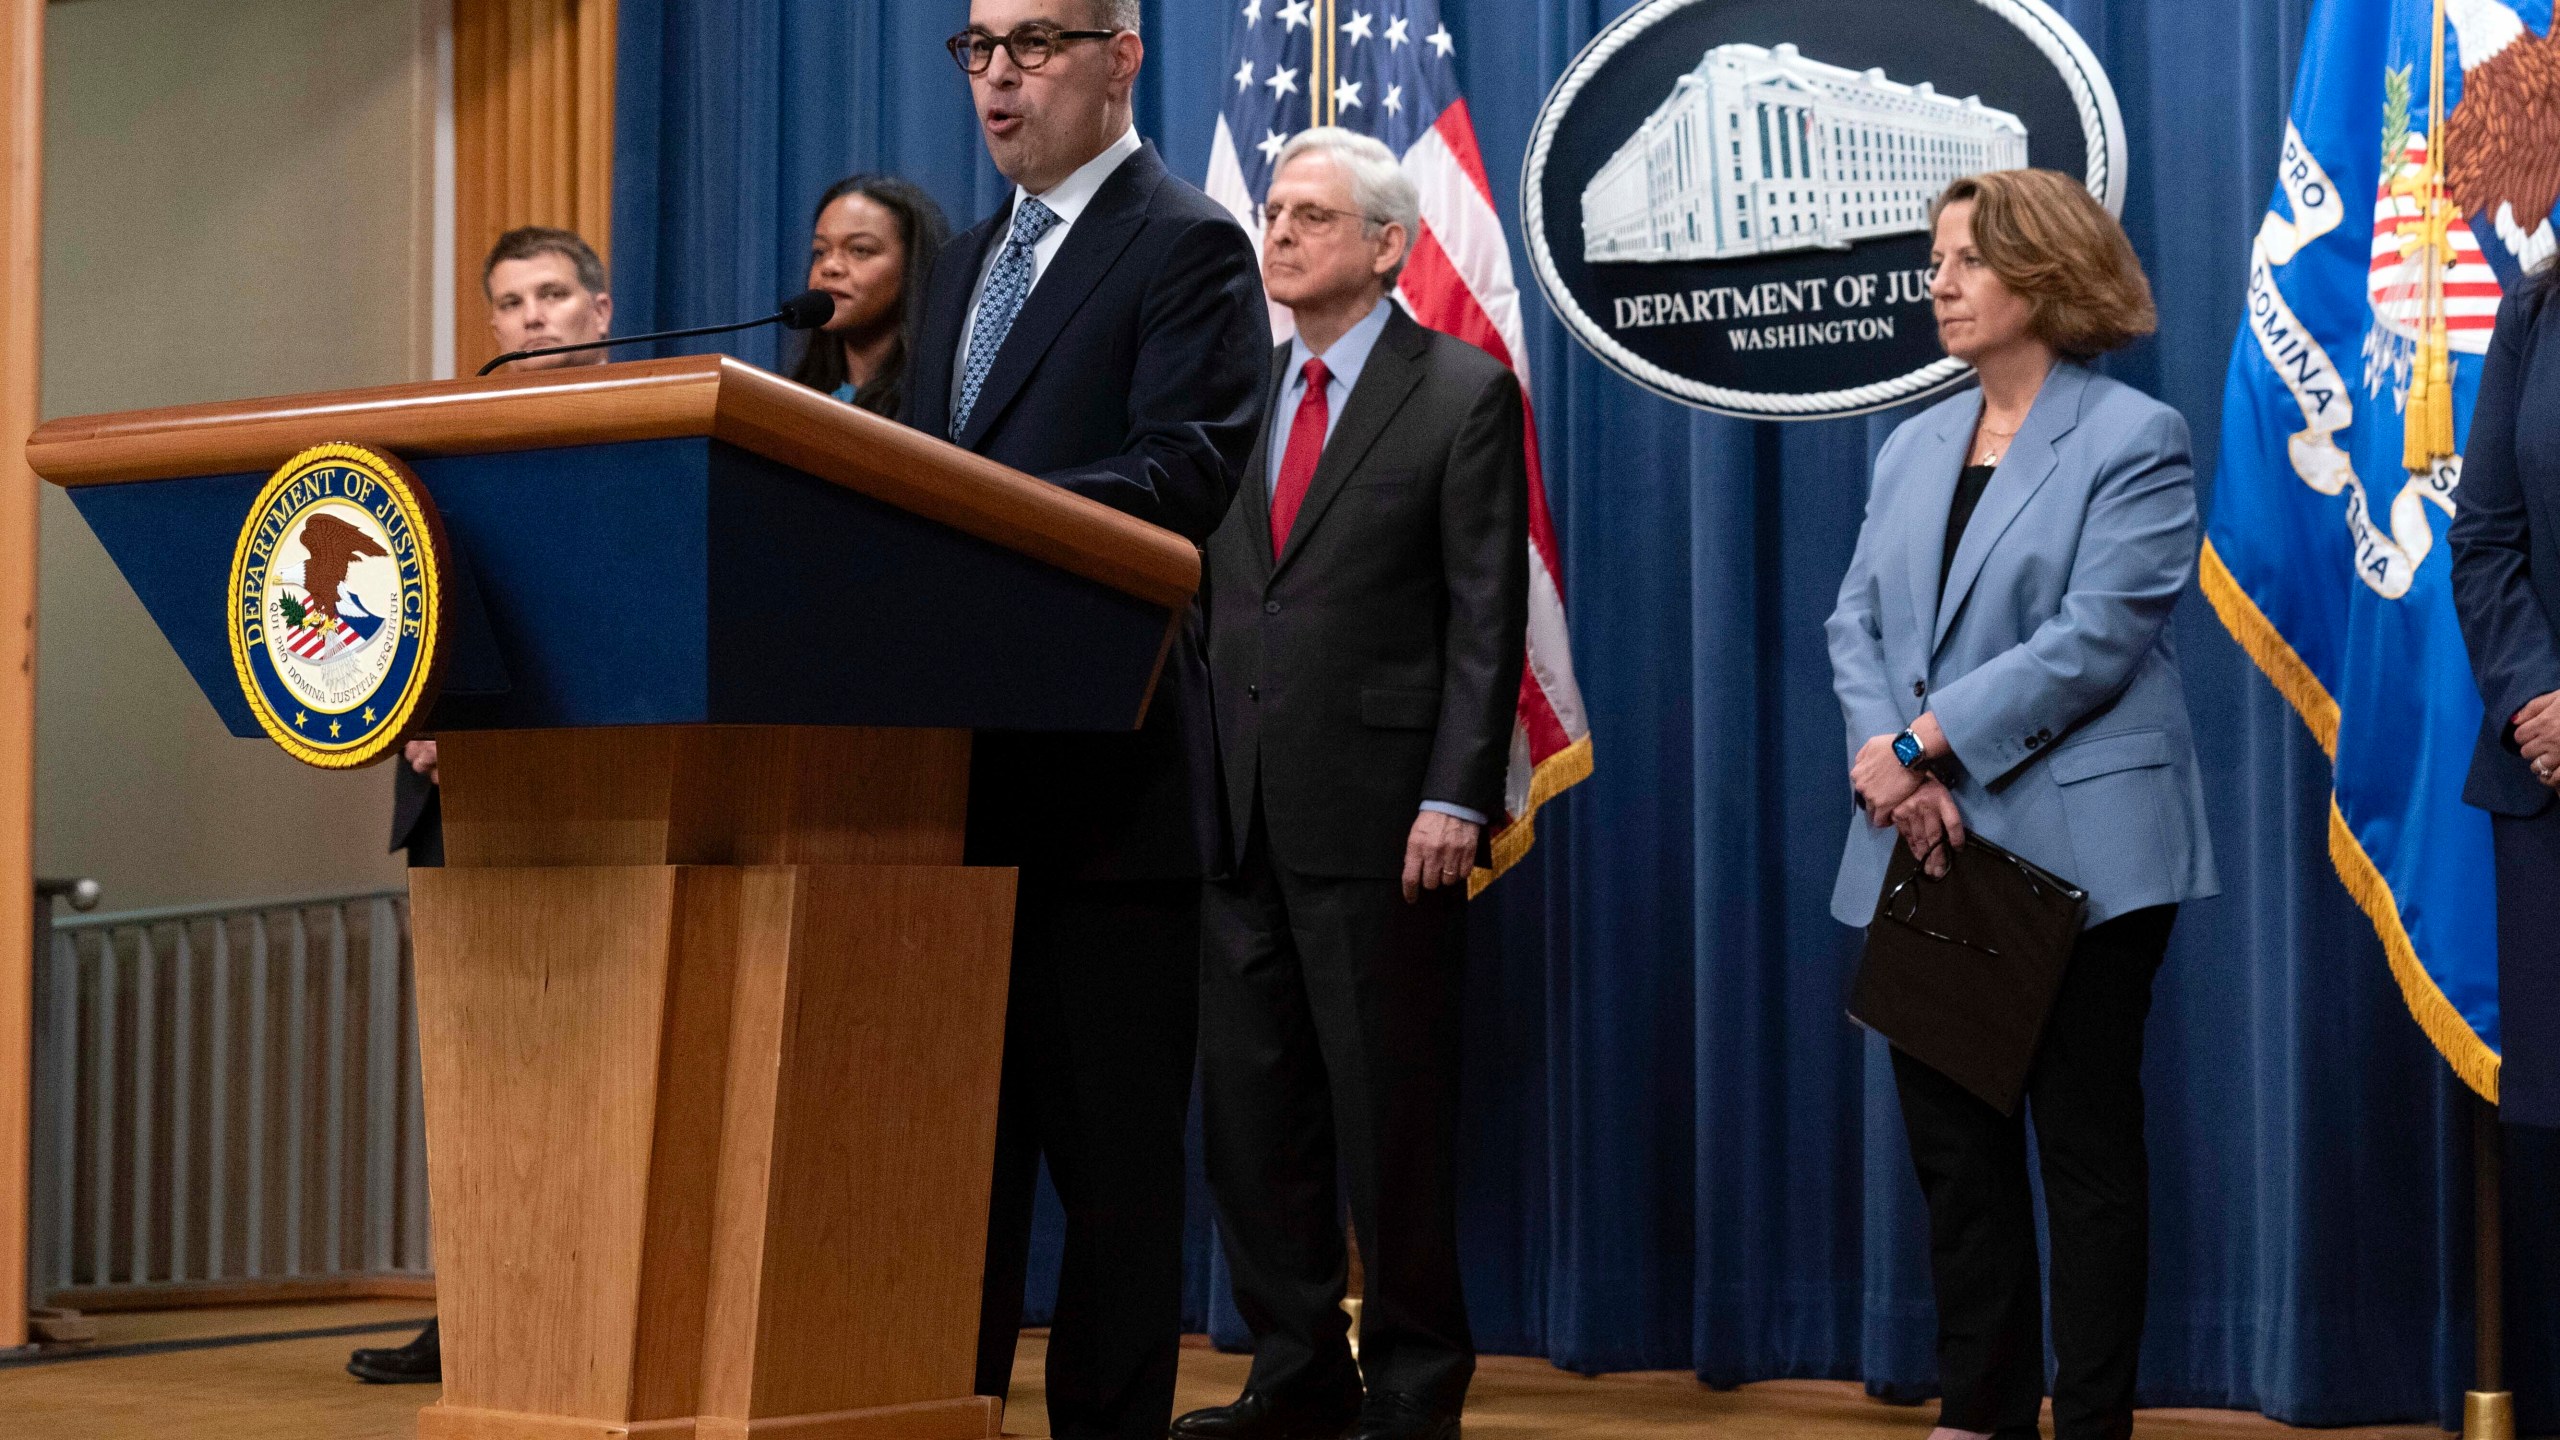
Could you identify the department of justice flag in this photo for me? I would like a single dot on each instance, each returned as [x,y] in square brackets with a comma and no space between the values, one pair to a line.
[1388,68]
[2407,201]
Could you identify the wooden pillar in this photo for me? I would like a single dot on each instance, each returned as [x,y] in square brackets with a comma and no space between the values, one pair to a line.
[21,366]
[532,136]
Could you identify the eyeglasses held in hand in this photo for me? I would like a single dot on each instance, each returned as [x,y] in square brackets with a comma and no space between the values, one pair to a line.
[1031,46]
[1902,902]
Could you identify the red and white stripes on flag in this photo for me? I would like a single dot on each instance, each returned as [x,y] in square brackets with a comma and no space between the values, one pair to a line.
[1459,281]
[323,643]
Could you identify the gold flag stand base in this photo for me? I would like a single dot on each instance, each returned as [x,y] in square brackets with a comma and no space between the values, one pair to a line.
[2489,1412]
[2489,1415]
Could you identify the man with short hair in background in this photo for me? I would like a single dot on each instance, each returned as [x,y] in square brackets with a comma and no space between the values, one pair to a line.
[545,287]
[1370,605]
[1106,332]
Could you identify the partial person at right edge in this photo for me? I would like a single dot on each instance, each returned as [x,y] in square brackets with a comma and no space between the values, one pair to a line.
[2506,589]
[2002,652]
[1105,331]
[1367,620]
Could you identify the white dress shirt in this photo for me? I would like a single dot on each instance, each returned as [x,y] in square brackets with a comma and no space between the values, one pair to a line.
[1343,362]
[1068,200]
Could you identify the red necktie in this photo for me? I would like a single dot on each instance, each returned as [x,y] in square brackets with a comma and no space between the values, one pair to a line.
[1298,462]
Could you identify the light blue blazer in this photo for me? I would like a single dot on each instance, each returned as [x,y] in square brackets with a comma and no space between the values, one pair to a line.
[2048,663]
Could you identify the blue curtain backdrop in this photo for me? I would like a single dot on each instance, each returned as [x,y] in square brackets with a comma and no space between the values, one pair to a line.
[1679,1155]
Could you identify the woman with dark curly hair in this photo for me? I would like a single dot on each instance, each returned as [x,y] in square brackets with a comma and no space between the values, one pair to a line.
[2001,650]
[871,244]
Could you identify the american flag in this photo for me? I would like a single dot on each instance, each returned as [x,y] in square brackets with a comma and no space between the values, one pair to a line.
[1388,68]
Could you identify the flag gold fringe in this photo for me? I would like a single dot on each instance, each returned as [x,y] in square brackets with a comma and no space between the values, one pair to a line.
[1556,774]
[2258,635]
[2472,1060]
[2454,1038]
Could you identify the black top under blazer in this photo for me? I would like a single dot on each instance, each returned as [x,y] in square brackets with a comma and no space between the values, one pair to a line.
[2506,541]
[1133,375]
[1376,663]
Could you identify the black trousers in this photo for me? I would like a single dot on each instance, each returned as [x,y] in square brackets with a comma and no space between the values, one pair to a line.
[1329,1028]
[2085,1094]
[1099,1035]
[2528,857]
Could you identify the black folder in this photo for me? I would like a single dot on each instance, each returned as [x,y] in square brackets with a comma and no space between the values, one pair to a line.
[1961,972]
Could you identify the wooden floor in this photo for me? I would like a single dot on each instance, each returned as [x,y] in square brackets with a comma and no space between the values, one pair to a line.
[285,1390]
[299,1390]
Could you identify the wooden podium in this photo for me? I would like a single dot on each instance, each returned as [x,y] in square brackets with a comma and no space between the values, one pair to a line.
[710,1010]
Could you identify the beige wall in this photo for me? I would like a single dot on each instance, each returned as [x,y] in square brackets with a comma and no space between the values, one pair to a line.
[237,202]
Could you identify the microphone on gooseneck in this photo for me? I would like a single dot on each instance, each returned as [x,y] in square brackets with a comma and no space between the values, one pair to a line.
[805,311]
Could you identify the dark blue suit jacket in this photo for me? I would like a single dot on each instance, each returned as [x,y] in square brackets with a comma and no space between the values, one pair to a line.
[1134,375]
[2506,541]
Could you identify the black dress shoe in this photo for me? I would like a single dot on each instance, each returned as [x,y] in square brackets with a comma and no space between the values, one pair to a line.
[1260,1415]
[1386,1415]
[420,1362]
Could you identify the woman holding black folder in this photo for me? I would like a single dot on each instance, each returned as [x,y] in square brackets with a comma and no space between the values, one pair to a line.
[2001,650]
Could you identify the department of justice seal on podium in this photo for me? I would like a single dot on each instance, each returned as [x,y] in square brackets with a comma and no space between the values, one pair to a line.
[337,606]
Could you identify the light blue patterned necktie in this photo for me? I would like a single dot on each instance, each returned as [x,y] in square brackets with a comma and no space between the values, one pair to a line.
[1008,285]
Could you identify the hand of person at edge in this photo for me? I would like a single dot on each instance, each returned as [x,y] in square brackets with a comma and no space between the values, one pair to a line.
[1441,850]
[1932,826]
[2538,736]
[420,755]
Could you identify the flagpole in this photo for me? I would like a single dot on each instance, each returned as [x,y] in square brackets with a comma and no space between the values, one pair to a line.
[2489,1410]
[1332,61]
[2427,423]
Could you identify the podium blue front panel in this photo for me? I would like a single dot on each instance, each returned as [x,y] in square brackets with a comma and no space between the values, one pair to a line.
[684,582]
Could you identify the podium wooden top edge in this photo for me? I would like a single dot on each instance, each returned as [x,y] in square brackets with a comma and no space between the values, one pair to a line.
[713,396]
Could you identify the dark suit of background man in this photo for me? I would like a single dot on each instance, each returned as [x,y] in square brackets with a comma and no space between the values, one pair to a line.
[545,287]
[1368,607]
[1104,331]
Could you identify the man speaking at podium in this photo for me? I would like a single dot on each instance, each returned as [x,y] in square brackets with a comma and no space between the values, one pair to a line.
[1105,331]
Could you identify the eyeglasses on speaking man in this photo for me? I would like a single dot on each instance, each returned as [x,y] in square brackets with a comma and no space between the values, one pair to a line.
[1031,46]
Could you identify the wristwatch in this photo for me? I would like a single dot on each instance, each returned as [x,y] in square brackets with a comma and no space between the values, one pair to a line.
[1908,749]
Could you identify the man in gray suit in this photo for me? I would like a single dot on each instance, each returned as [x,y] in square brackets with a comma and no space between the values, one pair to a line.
[1367,612]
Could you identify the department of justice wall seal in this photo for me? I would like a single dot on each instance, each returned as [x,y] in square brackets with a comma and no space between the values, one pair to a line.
[1727,201]
[337,606]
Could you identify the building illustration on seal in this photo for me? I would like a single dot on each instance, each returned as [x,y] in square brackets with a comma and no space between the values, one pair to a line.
[1760,150]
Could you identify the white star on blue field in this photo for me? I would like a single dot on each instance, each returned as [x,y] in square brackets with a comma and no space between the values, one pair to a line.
[1391,72]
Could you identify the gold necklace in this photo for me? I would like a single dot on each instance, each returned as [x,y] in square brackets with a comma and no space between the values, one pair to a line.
[1992,457]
